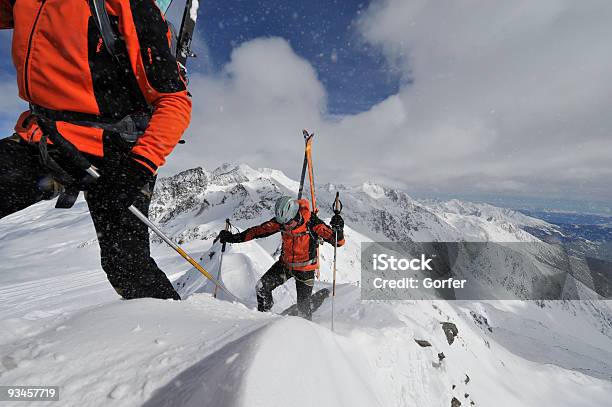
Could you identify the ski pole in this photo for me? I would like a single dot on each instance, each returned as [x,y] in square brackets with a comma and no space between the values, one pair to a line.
[227,227]
[337,208]
[79,159]
[179,250]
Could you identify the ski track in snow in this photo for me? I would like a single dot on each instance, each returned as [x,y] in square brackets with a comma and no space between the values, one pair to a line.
[62,324]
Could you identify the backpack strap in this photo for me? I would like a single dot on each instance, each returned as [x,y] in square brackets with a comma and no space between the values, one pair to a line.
[113,43]
[100,16]
[310,226]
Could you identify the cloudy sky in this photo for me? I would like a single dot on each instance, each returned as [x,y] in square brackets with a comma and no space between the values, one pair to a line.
[455,98]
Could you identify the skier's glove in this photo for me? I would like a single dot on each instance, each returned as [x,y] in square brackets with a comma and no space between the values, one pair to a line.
[121,183]
[225,236]
[337,223]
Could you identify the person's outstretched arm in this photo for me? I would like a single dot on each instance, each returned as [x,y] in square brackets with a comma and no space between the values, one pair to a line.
[328,233]
[266,229]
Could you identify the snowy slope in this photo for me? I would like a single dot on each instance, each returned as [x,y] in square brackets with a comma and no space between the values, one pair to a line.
[61,323]
[193,205]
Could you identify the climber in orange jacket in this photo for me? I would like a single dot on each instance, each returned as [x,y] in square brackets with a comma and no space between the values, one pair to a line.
[301,230]
[125,118]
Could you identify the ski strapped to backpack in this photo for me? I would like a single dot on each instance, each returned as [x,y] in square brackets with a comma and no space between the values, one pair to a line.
[183,45]
[308,147]
[313,198]
[307,164]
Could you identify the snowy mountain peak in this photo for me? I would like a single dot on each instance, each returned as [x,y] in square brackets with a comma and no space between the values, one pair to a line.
[489,212]
[247,195]
[373,190]
[229,174]
[192,177]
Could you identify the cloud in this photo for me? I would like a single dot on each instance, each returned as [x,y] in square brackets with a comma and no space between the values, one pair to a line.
[500,98]
[507,98]
[254,110]
[503,94]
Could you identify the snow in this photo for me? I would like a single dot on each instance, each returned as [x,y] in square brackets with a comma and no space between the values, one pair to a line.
[62,324]
[275,351]
[193,12]
[373,190]
[125,350]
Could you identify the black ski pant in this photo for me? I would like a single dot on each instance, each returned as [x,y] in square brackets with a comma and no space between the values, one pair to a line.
[276,276]
[123,239]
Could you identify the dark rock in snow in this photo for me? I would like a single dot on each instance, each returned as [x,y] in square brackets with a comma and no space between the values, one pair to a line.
[422,343]
[450,330]
[441,356]
[481,320]
[455,402]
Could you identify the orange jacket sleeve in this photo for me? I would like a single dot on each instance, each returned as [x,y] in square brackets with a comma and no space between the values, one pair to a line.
[327,233]
[146,35]
[264,230]
[6,14]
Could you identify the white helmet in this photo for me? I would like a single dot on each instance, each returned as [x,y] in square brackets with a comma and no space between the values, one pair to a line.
[286,209]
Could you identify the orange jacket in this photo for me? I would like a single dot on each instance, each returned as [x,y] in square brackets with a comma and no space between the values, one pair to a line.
[62,65]
[299,250]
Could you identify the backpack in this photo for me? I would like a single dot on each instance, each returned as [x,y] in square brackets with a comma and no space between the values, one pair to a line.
[111,39]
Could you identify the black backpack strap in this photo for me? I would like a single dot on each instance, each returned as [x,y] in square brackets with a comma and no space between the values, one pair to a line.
[100,16]
[113,43]
[310,227]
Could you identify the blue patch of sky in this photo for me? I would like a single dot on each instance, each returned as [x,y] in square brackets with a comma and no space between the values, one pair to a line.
[6,63]
[7,74]
[355,75]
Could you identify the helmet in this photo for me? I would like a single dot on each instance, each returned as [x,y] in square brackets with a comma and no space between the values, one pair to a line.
[286,209]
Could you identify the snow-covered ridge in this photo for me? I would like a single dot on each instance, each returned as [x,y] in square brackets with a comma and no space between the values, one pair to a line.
[62,324]
[489,212]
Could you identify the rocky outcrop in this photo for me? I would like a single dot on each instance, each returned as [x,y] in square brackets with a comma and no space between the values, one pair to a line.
[451,331]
